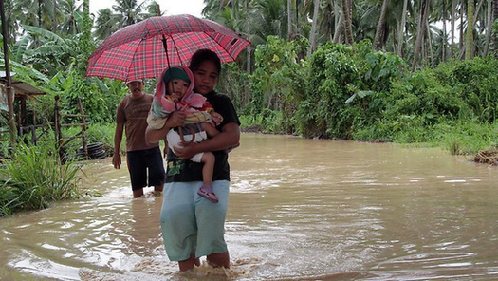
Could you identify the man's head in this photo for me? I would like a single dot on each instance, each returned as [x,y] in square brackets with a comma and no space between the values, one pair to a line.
[135,87]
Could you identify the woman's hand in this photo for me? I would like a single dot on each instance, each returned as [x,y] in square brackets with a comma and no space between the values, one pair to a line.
[176,119]
[217,118]
[185,150]
[155,135]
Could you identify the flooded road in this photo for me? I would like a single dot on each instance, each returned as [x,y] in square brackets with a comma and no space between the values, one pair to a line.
[299,210]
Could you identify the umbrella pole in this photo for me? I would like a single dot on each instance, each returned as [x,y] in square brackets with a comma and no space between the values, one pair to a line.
[166,49]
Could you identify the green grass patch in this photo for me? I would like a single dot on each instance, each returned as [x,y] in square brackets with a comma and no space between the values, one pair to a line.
[33,178]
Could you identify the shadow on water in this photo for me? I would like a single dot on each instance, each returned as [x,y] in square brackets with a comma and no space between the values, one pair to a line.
[299,210]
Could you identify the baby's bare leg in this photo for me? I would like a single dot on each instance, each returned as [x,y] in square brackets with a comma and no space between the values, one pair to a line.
[207,168]
[206,190]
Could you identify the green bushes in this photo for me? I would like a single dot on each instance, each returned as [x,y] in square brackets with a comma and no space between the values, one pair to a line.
[355,92]
[453,93]
[346,90]
[277,84]
[33,178]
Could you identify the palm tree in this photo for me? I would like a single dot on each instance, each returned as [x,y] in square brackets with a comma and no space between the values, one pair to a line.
[73,15]
[289,19]
[339,23]
[421,29]
[106,24]
[128,11]
[380,34]
[327,21]
[316,6]
[270,18]
[469,39]
[154,9]
[401,29]
[494,20]
[347,11]
[453,17]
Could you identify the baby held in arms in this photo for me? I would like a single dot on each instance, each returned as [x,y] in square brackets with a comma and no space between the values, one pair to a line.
[175,93]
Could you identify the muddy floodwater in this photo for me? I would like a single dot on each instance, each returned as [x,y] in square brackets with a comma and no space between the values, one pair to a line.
[299,210]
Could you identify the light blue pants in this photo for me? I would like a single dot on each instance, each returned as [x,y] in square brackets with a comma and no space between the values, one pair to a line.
[192,225]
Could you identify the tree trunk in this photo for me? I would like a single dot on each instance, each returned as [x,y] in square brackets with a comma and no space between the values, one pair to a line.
[348,25]
[462,13]
[40,13]
[489,26]
[469,38]
[494,42]
[54,10]
[423,12]
[430,50]
[476,13]
[443,52]
[298,25]
[8,89]
[337,13]
[401,31]
[339,27]
[452,26]
[379,34]
[289,19]
[87,27]
[316,6]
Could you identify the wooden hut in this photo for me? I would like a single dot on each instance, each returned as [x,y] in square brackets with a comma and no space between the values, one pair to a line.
[25,120]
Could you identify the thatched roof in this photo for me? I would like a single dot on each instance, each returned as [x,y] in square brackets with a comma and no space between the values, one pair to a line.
[20,88]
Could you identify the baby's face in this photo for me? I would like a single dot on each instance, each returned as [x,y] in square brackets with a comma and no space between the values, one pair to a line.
[177,88]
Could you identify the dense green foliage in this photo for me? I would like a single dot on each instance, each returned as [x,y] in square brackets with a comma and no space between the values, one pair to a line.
[357,93]
[346,89]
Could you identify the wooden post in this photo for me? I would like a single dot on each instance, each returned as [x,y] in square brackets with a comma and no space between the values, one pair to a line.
[10,94]
[58,131]
[32,128]
[83,128]
[23,111]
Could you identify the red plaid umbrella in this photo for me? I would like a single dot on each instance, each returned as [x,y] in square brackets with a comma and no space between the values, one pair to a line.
[144,49]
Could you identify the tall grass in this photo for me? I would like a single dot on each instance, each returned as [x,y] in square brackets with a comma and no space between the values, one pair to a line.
[33,178]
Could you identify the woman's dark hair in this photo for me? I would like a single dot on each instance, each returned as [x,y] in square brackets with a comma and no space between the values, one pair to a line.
[202,55]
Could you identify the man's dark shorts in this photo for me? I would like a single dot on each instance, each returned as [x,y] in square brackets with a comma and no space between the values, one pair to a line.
[139,162]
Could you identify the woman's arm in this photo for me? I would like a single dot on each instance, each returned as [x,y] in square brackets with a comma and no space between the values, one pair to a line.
[176,119]
[211,131]
[228,138]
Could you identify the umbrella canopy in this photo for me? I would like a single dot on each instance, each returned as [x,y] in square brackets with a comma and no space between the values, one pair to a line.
[144,49]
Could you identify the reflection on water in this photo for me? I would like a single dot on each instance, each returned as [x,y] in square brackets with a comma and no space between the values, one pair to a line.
[299,210]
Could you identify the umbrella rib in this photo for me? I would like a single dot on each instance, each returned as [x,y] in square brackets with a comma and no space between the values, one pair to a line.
[177,53]
[233,59]
[131,62]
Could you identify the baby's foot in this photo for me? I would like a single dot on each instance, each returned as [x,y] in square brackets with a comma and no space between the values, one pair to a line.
[207,192]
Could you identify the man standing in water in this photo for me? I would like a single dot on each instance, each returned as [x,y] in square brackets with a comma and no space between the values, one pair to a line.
[144,160]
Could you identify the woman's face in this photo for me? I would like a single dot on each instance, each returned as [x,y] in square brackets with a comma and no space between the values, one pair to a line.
[206,77]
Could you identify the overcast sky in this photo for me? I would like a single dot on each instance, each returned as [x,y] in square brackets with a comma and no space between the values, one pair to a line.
[169,7]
